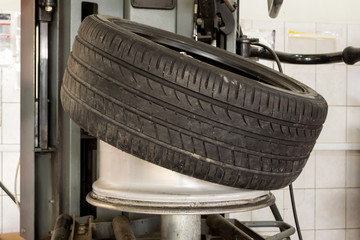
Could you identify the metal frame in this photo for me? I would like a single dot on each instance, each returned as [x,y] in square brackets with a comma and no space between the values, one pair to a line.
[165,227]
[57,162]
[27,171]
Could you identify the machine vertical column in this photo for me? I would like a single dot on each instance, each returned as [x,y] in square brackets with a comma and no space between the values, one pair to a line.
[27,171]
[179,227]
[43,85]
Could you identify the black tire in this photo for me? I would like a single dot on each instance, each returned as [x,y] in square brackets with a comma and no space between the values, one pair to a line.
[214,116]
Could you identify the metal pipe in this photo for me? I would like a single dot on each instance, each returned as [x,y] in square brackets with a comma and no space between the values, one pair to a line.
[62,227]
[122,229]
[289,230]
[8,192]
[298,58]
[276,214]
[179,227]
[226,229]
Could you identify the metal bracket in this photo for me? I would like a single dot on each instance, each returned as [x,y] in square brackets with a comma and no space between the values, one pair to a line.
[214,227]
[158,4]
[230,229]
[46,8]
[274,7]
[227,18]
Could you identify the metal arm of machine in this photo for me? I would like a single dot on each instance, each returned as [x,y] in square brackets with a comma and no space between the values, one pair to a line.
[349,55]
[274,7]
[213,20]
[246,48]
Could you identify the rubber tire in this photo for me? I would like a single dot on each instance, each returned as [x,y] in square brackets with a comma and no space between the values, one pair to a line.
[186,114]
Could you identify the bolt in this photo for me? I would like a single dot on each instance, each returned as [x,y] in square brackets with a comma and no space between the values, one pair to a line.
[48,8]
[52,201]
[81,229]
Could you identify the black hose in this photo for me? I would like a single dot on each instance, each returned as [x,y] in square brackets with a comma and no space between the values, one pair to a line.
[349,55]
[294,211]
[272,53]
[277,215]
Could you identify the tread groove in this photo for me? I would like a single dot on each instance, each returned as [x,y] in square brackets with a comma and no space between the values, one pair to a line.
[225,105]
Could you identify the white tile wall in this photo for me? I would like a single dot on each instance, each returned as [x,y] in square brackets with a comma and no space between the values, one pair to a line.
[353,126]
[1,215]
[9,138]
[242,216]
[306,180]
[305,204]
[273,25]
[353,37]
[337,31]
[305,74]
[10,216]
[330,209]
[245,25]
[328,190]
[352,208]
[331,83]
[330,234]
[299,45]
[334,129]
[10,85]
[352,234]
[330,169]
[9,143]
[11,123]
[9,164]
[353,86]
[265,213]
[306,234]
[353,169]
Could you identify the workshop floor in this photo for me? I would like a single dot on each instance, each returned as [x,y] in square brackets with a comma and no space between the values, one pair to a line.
[11,236]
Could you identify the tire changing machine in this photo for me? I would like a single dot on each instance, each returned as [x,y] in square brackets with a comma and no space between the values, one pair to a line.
[152,197]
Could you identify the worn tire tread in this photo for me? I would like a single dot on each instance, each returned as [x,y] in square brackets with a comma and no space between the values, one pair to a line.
[185,115]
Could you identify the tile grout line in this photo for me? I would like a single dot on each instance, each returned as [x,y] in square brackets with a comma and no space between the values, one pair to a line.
[314,173]
[346,192]
[284,36]
[346,135]
[316,66]
[2,196]
[2,171]
[1,98]
[346,89]
[315,193]
[1,111]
